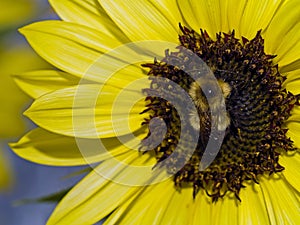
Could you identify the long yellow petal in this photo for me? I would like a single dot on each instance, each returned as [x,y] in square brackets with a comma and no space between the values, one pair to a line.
[225,211]
[281,202]
[146,208]
[91,15]
[179,207]
[288,50]
[252,209]
[257,15]
[41,146]
[44,147]
[141,20]
[94,197]
[210,15]
[203,210]
[40,82]
[169,9]
[84,112]
[119,212]
[202,14]
[282,35]
[70,47]
[291,171]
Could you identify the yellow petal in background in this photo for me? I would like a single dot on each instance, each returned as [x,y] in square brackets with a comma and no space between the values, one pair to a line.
[13,100]
[15,12]
[15,57]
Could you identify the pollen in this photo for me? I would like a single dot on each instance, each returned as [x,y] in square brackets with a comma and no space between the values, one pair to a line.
[257,107]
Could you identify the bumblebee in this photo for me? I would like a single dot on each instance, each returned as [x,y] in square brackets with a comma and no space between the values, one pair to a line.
[212,111]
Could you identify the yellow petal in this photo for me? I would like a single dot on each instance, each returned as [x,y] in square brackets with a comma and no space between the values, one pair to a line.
[281,202]
[40,82]
[295,117]
[82,112]
[119,212]
[212,16]
[141,20]
[252,209]
[257,15]
[180,205]
[234,13]
[291,171]
[157,210]
[202,14]
[293,81]
[282,35]
[122,65]
[288,51]
[295,65]
[146,208]
[291,75]
[169,9]
[93,198]
[88,13]
[225,211]
[41,146]
[203,210]
[294,129]
[15,60]
[70,47]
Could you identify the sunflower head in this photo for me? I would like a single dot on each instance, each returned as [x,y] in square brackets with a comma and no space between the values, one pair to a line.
[257,107]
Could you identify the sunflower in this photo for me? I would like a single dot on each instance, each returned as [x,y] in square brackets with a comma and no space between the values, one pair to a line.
[86,115]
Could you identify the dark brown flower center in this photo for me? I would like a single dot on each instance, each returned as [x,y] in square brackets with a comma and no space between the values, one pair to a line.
[257,107]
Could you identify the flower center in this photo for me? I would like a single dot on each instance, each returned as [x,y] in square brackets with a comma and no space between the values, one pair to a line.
[257,107]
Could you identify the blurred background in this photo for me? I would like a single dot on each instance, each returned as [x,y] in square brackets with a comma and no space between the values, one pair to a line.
[20,179]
